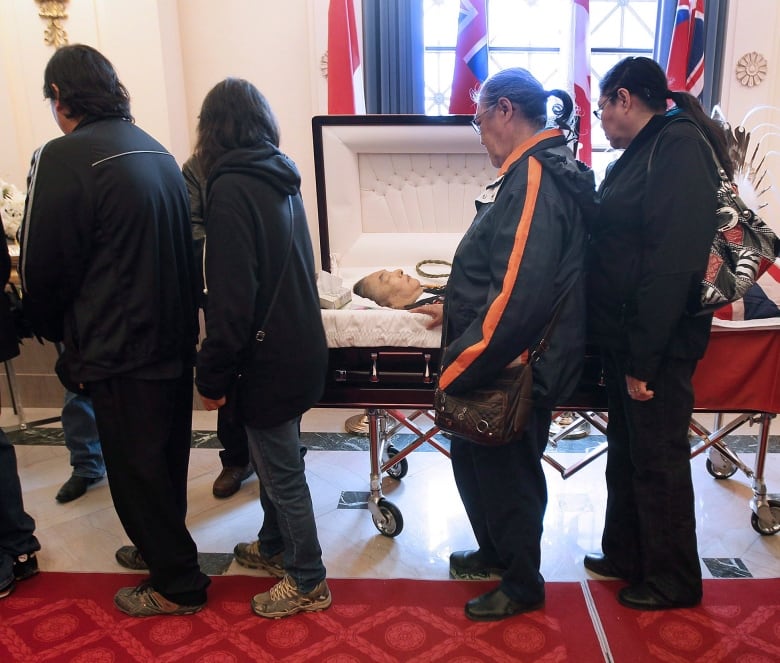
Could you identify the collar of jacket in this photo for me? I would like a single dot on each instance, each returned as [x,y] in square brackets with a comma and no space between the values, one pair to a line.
[528,146]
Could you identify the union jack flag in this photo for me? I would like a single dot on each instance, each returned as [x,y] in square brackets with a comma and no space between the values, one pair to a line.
[471,55]
[685,67]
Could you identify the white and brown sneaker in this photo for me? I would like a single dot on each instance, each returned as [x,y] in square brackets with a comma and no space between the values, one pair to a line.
[250,556]
[285,599]
[145,601]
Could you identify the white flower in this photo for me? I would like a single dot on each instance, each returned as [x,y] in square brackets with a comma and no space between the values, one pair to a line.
[11,208]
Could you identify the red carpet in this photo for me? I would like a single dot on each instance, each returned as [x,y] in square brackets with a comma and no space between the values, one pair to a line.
[71,617]
[737,622]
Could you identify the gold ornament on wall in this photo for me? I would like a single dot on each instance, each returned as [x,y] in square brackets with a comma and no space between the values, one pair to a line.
[751,69]
[54,11]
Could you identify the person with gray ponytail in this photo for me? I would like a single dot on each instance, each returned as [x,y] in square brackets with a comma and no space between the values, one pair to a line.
[648,252]
[521,259]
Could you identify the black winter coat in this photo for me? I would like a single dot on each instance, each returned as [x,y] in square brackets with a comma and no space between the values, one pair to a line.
[249,231]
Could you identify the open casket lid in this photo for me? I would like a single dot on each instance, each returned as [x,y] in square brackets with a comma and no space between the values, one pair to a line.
[393,190]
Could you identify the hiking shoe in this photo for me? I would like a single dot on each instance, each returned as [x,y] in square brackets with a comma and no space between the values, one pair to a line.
[285,599]
[144,601]
[469,565]
[130,558]
[249,555]
[25,566]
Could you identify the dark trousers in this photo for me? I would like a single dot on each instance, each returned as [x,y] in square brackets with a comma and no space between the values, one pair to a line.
[505,495]
[232,436]
[145,428]
[16,526]
[650,523]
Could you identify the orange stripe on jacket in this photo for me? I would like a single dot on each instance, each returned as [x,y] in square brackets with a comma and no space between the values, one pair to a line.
[497,308]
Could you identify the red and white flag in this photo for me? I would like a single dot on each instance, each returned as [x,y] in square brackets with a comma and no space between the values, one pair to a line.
[579,68]
[345,74]
[685,68]
[471,55]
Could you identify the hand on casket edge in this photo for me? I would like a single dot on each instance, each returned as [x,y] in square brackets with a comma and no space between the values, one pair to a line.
[434,311]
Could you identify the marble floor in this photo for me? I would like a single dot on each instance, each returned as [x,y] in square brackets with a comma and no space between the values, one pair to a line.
[83,535]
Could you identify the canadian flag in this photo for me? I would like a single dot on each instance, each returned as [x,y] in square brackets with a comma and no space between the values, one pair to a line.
[345,74]
[579,67]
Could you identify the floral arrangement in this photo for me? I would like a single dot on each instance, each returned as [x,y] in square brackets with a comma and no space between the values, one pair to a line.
[11,208]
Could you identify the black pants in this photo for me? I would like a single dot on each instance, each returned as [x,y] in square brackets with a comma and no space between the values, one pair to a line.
[232,436]
[650,524]
[505,495]
[145,428]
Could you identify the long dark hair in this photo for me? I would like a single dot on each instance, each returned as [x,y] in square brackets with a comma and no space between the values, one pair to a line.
[234,114]
[524,91]
[645,79]
[87,83]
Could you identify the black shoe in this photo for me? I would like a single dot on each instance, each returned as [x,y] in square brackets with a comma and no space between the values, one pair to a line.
[642,597]
[25,566]
[74,488]
[469,565]
[229,480]
[600,565]
[496,605]
[130,558]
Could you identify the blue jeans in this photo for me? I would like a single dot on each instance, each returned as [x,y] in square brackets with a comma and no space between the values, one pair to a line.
[16,526]
[288,523]
[81,436]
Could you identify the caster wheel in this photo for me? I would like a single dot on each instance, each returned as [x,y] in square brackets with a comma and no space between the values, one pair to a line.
[394,521]
[723,469]
[768,529]
[400,469]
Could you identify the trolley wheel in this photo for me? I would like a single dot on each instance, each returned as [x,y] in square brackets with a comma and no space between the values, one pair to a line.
[768,530]
[401,468]
[722,470]
[394,521]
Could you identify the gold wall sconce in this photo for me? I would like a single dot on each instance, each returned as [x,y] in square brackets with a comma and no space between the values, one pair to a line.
[54,11]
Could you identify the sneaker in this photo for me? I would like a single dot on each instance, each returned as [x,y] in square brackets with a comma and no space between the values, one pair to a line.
[469,565]
[249,555]
[130,558]
[25,566]
[144,601]
[285,599]
[6,589]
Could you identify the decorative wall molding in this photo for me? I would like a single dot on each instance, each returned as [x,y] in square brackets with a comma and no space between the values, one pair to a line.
[54,11]
[751,69]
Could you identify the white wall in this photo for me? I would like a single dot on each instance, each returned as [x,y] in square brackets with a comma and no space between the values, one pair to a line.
[169,53]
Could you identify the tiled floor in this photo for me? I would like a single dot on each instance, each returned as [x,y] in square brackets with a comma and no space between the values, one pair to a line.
[83,535]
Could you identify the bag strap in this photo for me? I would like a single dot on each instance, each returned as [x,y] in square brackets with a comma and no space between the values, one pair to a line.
[721,172]
[544,343]
[260,334]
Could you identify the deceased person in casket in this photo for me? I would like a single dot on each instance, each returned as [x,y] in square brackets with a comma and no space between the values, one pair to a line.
[395,289]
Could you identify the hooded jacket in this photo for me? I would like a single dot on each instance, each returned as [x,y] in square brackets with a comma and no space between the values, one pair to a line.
[249,233]
[106,254]
[521,256]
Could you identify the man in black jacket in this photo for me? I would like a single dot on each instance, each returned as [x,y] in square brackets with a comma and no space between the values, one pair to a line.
[107,268]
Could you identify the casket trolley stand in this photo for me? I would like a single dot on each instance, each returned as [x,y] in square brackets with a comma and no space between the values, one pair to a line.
[393,190]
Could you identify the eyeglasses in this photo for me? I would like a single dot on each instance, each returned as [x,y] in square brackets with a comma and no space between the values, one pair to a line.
[600,109]
[477,121]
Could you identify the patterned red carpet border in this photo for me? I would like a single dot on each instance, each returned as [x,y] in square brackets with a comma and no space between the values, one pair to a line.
[738,622]
[71,617]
